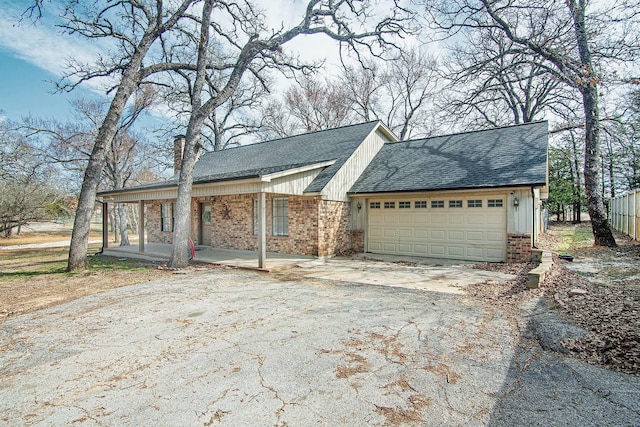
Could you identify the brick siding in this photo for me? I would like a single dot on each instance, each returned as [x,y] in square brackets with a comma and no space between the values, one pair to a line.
[316,227]
[334,225]
[357,241]
[153,223]
[518,247]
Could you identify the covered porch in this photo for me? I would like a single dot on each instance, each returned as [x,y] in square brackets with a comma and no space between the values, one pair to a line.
[208,254]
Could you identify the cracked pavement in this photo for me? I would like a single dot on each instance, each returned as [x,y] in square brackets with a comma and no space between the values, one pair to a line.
[239,348]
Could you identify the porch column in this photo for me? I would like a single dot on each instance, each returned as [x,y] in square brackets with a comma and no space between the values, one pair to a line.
[141,226]
[262,230]
[105,225]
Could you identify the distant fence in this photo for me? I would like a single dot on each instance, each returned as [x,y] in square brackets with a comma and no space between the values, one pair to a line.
[625,213]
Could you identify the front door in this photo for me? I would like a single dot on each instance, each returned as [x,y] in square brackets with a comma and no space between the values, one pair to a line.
[205,224]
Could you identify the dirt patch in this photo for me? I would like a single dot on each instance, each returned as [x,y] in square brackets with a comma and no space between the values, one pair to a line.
[29,285]
[610,306]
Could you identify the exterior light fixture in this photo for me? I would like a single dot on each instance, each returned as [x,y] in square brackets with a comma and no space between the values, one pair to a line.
[359,206]
[516,202]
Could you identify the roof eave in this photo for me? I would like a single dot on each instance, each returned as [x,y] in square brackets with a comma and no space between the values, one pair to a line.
[425,190]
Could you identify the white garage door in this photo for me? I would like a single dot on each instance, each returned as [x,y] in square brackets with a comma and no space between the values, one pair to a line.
[455,228]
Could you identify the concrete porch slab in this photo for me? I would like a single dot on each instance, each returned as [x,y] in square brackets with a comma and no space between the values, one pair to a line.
[207,254]
[425,274]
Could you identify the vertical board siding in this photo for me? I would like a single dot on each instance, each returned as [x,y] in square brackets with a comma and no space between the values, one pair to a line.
[351,170]
[624,213]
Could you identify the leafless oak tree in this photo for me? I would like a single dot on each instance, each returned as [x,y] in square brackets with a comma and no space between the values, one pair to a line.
[254,47]
[133,26]
[571,44]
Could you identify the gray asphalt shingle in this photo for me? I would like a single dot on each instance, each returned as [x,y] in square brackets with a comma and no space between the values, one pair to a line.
[508,156]
[286,153]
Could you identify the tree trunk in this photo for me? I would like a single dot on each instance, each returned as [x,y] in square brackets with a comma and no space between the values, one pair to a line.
[133,218]
[588,87]
[106,133]
[124,235]
[182,227]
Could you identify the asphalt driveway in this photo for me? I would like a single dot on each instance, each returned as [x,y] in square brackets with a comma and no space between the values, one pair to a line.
[239,348]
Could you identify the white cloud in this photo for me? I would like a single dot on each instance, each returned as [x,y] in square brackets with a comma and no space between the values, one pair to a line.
[41,43]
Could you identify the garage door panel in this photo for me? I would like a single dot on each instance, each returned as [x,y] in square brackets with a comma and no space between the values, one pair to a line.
[390,233]
[475,253]
[419,233]
[437,219]
[456,233]
[456,220]
[405,248]
[475,236]
[405,219]
[405,233]
[495,254]
[455,251]
[437,235]
[438,250]
[375,246]
[497,220]
[375,233]
[420,250]
[477,219]
[420,218]
[390,247]
[389,220]
[375,220]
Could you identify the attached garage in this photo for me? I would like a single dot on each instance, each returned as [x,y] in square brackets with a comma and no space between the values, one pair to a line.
[442,227]
[469,196]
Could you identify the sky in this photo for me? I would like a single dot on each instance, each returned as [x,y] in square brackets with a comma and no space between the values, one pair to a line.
[33,56]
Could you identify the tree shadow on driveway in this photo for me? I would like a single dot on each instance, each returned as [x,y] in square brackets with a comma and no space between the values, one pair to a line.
[543,387]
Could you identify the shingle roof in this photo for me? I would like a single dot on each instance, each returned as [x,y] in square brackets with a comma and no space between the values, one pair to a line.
[286,153]
[254,160]
[508,156]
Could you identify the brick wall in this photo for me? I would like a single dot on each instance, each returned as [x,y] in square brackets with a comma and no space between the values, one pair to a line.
[152,223]
[357,241]
[232,218]
[518,247]
[232,224]
[334,225]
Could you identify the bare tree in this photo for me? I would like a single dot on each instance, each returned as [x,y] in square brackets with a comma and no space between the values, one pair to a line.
[135,26]
[69,145]
[411,84]
[255,47]
[570,45]
[230,123]
[26,190]
[318,104]
[364,84]
[491,82]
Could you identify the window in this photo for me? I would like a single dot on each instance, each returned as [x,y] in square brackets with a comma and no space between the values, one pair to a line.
[374,205]
[404,205]
[281,216]
[166,218]
[494,203]
[474,203]
[389,205]
[420,204]
[437,203]
[455,203]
